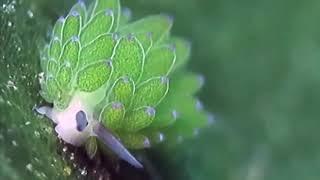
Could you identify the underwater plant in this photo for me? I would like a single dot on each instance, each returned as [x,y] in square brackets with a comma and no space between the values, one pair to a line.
[121,83]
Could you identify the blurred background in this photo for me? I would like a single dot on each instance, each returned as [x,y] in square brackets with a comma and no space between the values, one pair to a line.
[261,63]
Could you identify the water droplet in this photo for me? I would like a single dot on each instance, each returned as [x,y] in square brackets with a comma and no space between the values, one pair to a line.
[9,23]
[126,11]
[29,167]
[61,19]
[11,84]
[67,64]
[75,13]
[9,8]
[125,79]
[161,137]
[175,114]
[201,80]
[37,173]
[14,143]
[27,123]
[43,175]
[199,105]
[150,111]
[65,148]
[146,143]
[36,160]
[109,63]
[164,79]
[109,12]
[117,105]
[41,77]
[82,4]
[37,134]
[84,172]
[30,13]
[115,36]
[72,156]
[100,177]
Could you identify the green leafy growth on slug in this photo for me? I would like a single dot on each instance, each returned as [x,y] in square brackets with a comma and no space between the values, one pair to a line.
[112,115]
[100,48]
[137,65]
[99,24]
[135,141]
[122,91]
[94,76]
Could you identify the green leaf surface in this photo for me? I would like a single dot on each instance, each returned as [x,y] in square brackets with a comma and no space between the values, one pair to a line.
[159,62]
[70,54]
[126,16]
[189,119]
[151,92]
[158,25]
[135,141]
[99,24]
[165,117]
[128,59]
[186,83]
[91,147]
[113,5]
[99,49]
[57,28]
[71,26]
[63,99]
[146,40]
[139,119]
[55,49]
[45,94]
[182,88]
[80,7]
[52,87]
[44,57]
[122,91]
[112,115]
[182,49]
[52,67]
[94,76]
[64,77]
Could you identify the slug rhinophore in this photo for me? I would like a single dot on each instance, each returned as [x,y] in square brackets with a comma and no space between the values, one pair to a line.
[118,82]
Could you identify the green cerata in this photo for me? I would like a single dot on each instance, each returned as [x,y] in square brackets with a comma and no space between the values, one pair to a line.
[118,82]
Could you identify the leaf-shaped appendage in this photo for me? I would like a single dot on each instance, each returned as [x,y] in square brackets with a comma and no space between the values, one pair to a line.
[129,76]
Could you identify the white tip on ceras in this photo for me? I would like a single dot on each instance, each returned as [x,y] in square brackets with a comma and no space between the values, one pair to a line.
[76,124]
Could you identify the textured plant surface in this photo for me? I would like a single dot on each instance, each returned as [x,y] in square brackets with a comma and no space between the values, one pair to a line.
[131,76]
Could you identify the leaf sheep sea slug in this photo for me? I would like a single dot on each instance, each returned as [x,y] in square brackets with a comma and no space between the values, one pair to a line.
[118,82]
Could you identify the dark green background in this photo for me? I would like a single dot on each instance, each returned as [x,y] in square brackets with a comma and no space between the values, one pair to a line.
[261,61]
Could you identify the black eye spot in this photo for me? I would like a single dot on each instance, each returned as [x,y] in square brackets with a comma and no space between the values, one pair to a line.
[81,119]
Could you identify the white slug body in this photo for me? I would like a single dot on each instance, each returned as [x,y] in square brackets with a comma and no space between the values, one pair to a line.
[66,124]
[76,124]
